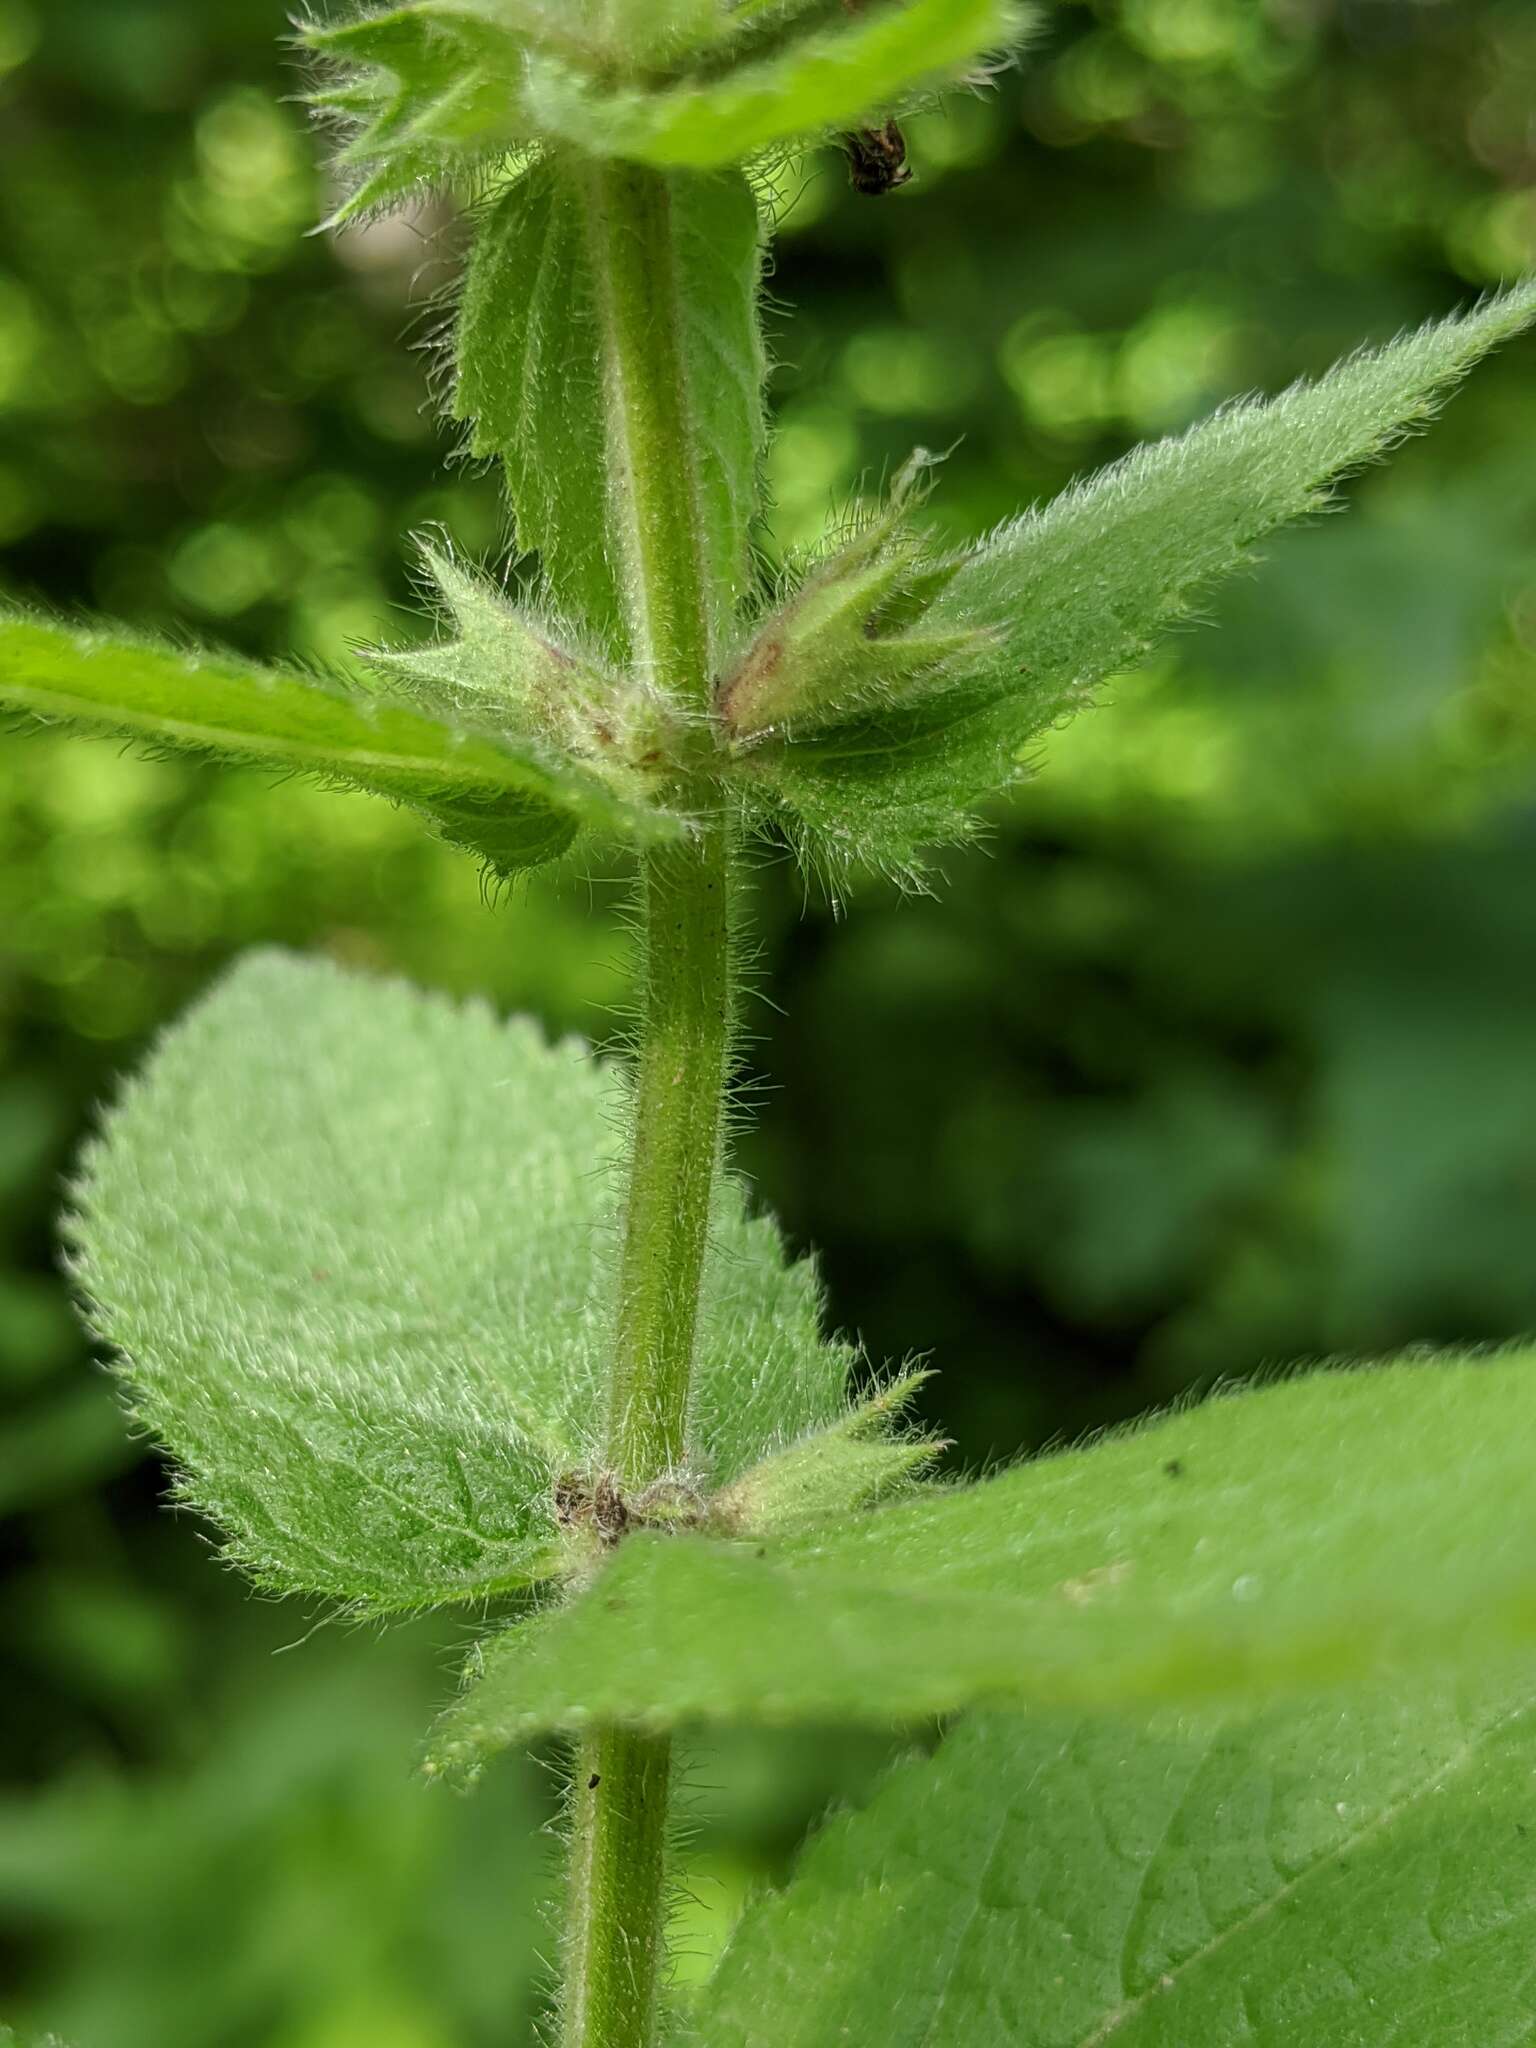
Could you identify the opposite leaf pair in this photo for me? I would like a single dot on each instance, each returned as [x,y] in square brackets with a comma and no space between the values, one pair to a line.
[348,1241]
[865,718]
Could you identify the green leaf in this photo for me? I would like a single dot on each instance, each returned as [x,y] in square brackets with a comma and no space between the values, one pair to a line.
[351,1243]
[862,1458]
[1349,1876]
[833,77]
[434,91]
[514,805]
[1321,1529]
[853,636]
[616,37]
[1067,596]
[539,379]
[425,93]
[509,672]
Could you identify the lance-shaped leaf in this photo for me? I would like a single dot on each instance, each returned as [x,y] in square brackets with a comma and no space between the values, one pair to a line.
[542,380]
[351,1245]
[1067,596]
[512,802]
[1318,1530]
[1357,1875]
[820,79]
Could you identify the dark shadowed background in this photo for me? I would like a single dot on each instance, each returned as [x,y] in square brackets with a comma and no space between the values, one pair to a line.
[1221,1051]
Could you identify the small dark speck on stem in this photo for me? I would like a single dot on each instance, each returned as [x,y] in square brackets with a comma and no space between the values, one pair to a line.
[1175,1468]
[594,1781]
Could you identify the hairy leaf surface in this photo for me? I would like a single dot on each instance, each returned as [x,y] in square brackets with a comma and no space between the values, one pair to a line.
[1068,595]
[433,91]
[350,1242]
[508,671]
[1321,1529]
[539,379]
[1351,1875]
[833,77]
[514,807]
[425,93]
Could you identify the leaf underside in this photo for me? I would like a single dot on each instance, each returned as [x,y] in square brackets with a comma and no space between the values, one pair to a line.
[834,77]
[514,808]
[434,92]
[351,1244]
[1350,1875]
[1327,1528]
[540,386]
[1071,594]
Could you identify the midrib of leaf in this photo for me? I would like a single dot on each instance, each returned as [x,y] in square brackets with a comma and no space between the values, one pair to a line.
[429,1594]
[1170,1979]
[196,733]
[449,1524]
[289,1419]
[398,1403]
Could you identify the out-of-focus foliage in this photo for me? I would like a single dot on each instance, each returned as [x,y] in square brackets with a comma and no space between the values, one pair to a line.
[286,1882]
[1220,1053]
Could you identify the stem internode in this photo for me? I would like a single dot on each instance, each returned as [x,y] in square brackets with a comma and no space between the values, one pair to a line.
[615,1932]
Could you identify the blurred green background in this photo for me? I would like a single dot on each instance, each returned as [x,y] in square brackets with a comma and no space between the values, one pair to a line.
[1219,1052]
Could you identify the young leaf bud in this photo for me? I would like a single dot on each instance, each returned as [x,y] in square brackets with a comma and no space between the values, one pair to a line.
[831,1474]
[510,671]
[856,635]
[433,92]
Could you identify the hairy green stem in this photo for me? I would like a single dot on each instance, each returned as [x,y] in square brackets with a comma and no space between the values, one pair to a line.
[615,1920]
[615,1929]
[679,1085]
[652,454]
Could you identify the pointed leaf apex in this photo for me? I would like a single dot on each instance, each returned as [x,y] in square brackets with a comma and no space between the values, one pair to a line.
[863,1458]
[855,635]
